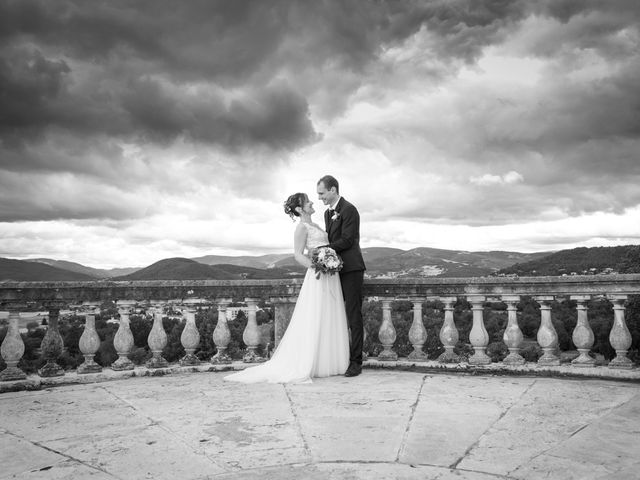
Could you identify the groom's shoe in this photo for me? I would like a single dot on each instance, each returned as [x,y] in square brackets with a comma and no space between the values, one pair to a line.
[354,370]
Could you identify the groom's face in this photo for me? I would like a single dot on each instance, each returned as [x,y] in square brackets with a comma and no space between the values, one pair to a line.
[327,196]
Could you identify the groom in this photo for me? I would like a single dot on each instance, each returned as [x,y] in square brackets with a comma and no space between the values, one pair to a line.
[342,222]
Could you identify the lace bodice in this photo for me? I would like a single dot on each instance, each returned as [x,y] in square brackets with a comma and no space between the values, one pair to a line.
[316,236]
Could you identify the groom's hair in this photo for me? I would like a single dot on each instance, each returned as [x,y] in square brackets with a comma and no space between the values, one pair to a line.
[329,182]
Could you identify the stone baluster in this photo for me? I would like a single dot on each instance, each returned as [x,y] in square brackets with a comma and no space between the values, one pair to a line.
[547,336]
[512,336]
[619,337]
[123,339]
[190,337]
[448,333]
[417,334]
[52,347]
[582,336]
[12,350]
[478,336]
[157,340]
[251,334]
[387,333]
[89,344]
[222,334]
[283,310]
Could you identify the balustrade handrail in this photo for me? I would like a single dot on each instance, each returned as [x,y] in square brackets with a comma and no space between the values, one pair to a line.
[140,290]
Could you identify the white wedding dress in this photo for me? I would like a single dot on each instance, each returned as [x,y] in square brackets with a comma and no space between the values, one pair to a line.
[316,342]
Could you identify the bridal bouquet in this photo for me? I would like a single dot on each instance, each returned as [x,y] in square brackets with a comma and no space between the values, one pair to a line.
[325,260]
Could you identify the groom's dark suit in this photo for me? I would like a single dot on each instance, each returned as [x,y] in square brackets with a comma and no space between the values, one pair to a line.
[344,238]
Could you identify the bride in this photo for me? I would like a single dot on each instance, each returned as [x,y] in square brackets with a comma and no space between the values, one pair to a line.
[316,342]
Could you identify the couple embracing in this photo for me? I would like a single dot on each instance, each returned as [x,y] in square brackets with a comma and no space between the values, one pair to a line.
[316,342]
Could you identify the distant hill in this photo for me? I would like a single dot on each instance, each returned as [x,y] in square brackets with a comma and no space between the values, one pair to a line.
[433,262]
[261,261]
[581,261]
[381,262]
[187,269]
[373,254]
[78,268]
[27,271]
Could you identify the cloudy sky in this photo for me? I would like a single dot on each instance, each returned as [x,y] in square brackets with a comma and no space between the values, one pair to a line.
[132,131]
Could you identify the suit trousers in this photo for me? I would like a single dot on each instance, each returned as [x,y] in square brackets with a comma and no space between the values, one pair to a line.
[352,291]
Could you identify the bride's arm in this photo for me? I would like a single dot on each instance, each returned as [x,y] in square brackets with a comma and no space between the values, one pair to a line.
[299,242]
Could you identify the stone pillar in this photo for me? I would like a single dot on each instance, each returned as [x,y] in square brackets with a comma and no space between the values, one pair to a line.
[190,337]
[89,345]
[448,333]
[478,336]
[222,334]
[512,336]
[620,337]
[583,334]
[52,347]
[387,333]
[251,334]
[157,341]
[12,350]
[123,339]
[547,336]
[283,310]
[417,334]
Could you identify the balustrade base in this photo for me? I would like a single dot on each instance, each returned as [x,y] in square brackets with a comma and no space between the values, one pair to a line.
[387,356]
[418,356]
[548,361]
[189,359]
[92,367]
[122,363]
[253,357]
[11,374]
[449,357]
[583,360]
[51,369]
[33,382]
[219,359]
[479,359]
[157,362]
[514,359]
[621,362]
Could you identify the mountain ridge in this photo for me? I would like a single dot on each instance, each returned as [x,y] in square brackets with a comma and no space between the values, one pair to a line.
[382,262]
[581,261]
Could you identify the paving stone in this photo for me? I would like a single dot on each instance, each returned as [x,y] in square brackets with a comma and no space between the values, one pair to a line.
[383,424]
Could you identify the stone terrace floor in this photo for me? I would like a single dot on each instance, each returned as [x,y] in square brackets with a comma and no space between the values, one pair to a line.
[383,424]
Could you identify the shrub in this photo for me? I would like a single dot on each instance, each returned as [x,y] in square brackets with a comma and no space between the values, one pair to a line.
[497,351]
[463,350]
[139,355]
[531,352]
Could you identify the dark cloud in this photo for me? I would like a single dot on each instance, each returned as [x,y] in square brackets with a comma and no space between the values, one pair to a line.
[132,50]
[29,84]
[78,79]
[274,116]
[33,197]
[587,24]
[227,44]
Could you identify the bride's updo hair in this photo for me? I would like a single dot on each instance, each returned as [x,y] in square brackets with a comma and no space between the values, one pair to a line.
[294,201]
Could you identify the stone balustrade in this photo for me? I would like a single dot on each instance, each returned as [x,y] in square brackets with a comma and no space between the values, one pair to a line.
[189,295]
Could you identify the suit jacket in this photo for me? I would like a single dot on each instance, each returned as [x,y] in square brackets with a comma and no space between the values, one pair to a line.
[344,235]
